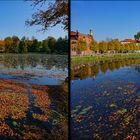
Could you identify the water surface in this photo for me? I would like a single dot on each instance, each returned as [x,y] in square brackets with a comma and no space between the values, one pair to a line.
[32,99]
[105,98]
[34,68]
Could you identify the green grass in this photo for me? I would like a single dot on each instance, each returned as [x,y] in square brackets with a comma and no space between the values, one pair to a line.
[106,57]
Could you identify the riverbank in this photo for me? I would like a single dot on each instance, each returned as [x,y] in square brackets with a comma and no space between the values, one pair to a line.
[105,57]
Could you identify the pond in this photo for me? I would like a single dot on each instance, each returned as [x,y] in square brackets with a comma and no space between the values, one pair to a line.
[32,97]
[34,68]
[105,98]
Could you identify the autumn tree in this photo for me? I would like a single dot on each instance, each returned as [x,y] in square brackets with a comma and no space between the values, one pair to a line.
[8,44]
[110,45]
[117,45]
[2,44]
[102,46]
[81,45]
[55,13]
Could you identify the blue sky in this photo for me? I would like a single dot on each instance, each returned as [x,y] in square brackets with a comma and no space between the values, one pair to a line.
[13,15]
[108,19]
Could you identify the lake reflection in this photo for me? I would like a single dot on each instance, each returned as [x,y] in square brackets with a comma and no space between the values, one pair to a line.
[34,68]
[105,99]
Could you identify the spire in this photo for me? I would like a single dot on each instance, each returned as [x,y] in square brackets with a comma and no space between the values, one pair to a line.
[91,32]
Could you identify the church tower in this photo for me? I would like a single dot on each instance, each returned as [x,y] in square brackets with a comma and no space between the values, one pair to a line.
[91,32]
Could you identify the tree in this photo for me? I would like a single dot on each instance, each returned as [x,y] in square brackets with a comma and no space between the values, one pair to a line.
[122,48]
[126,46]
[45,48]
[35,46]
[22,47]
[8,44]
[94,46]
[81,45]
[110,45]
[51,43]
[56,13]
[117,45]
[137,36]
[15,44]
[2,44]
[61,46]
[102,46]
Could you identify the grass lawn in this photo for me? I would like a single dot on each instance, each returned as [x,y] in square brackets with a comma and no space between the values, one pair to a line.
[106,57]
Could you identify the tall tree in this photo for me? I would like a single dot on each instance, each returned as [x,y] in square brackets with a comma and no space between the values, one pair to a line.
[56,13]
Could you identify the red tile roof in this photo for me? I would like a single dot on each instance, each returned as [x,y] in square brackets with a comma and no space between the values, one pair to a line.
[128,40]
[73,33]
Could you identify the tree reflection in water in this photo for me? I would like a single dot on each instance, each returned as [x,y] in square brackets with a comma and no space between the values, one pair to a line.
[92,69]
[32,60]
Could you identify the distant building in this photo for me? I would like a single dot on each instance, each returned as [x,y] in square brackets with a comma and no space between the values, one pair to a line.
[75,36]
[127,41]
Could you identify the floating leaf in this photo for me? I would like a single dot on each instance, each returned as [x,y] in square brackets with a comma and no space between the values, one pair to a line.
[122,111]
[85,110]
[113,105]
[14,123]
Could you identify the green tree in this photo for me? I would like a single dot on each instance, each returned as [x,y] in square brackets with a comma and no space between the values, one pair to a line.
[51,43]
[15,44]
[35,46]
[61,46]
[45,48]
[22,47]
[137,36]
